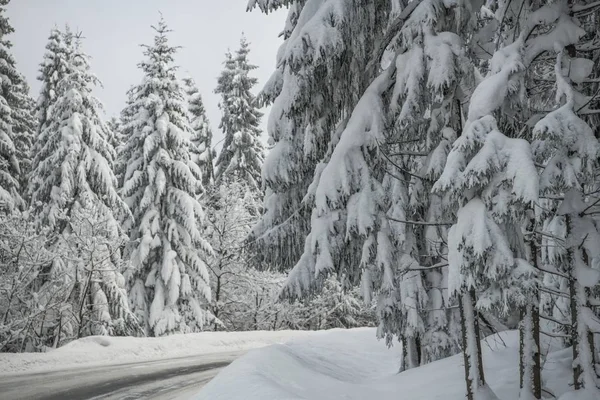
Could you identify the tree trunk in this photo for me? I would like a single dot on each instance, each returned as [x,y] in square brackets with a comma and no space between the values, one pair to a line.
[412,352]
[530,366]
[463,328]
[529,360]
[404,353]
[474,374]
[418,349]
[573,331]
[217,297]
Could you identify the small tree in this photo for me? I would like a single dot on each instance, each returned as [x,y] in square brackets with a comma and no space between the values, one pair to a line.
[229,222]
[23,255]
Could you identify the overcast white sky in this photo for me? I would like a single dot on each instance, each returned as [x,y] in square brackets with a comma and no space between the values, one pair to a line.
[114,29]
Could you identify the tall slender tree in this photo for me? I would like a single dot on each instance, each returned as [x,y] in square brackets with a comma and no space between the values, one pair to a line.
[201,150]
[168,279]
[73,159]
[242,155]
[73,194]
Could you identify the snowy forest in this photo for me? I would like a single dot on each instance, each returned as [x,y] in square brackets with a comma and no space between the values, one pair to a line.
[430,168]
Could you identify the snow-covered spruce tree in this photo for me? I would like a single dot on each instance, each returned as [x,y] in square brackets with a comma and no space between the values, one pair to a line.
[201,151]
[361,201]
[494,179]
[74,157]
[242,154]
[71,183]
[16,123]
[53,68]
[530,32]
[538,33]
[480,150]
[126,126]
[305,91]
[432,79]
[168,279]
[570,155]
[115,139]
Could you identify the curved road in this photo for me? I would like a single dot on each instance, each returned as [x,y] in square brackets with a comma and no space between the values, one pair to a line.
[178,378]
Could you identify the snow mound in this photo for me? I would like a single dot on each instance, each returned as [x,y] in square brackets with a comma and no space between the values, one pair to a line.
[104,350]
[354,365]
[326,365]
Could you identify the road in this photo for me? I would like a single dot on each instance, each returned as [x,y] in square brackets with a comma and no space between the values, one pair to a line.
[177,378]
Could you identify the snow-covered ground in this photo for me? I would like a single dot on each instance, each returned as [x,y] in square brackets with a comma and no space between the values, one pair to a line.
[353,365]
[291,365]
[102,350]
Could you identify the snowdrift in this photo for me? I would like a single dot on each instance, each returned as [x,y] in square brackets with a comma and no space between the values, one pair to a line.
[354,365]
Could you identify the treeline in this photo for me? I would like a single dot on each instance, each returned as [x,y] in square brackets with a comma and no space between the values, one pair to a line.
[134,226]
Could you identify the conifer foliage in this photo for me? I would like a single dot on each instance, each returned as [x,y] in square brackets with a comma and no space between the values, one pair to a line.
[16,122]
[242,155]
[201,151]
[74,159]
[75,201]
[168,279]
[393,121]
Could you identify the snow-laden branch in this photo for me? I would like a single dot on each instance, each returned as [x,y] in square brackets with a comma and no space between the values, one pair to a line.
[421,222]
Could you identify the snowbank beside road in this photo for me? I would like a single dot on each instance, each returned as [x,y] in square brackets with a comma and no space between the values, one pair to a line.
[336,364]
[353,365]
[103,350]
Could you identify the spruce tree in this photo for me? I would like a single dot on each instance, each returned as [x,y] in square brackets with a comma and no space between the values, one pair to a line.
[74,196]
[201,151]
[73,159]
[16,122]
[115,138]
[53,68]
[242,155]
[298,129]
[125,124]
[168,279]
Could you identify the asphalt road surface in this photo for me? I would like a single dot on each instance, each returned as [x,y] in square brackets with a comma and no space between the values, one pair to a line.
[177,378]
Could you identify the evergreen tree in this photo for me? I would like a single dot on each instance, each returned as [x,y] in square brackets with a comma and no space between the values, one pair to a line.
[201,151]
[73,160]
[125,124]
[242,154]
[570,156]
[73,194]
[297,130]
[16,122]
[53,68]
[168,279]
[115,138]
